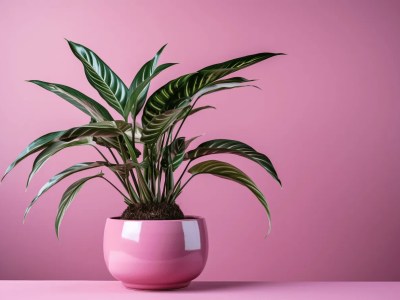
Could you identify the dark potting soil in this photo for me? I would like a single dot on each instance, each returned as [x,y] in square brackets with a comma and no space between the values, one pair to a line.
[153,211]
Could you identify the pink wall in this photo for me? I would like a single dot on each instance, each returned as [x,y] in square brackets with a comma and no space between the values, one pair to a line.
[327,115]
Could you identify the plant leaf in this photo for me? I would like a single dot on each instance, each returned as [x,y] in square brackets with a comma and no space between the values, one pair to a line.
[68,197]
[195,110]
[230,172]
[176,151]
[53,149]
[98,129]
[136,95]
[180,89]
[233,147]
[173,154]
[101,77]
[37,145]
[159,124]
[87,105]
[60,176]
[145,72]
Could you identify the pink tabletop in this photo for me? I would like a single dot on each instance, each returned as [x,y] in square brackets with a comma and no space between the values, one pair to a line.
[99,290]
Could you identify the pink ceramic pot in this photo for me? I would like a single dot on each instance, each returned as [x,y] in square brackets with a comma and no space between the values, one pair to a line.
[156,254]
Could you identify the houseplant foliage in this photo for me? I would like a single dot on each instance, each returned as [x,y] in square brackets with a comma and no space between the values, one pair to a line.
[144,142]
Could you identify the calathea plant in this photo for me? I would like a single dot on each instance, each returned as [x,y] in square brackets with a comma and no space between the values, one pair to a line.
[144,155]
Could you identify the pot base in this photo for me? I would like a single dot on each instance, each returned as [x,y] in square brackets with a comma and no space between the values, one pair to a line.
[171,286]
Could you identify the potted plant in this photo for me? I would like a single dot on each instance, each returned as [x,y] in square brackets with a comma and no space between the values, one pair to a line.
[152,245]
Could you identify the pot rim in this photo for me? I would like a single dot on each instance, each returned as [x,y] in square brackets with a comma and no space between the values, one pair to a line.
[187,218]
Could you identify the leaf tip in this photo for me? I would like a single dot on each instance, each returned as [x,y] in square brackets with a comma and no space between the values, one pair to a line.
[2,178]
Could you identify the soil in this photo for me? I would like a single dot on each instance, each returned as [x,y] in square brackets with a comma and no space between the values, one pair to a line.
[153,211]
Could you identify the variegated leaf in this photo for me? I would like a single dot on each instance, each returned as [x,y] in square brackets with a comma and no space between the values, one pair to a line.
[68,197]
[53,149]
[87,105]
[98,129]
[233,147]
[174,153]
[60,176]
[185,87]
[37,145]
[195,110]
[136,95]
[230,172]
[145,71]
[123,169]
[101,77]
[160,124]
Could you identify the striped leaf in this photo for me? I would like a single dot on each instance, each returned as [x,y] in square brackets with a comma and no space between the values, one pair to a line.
[225,84]
[137,94]
[196,110]
[185,87]
[53,149]
[142,77]
[101,77]
[99,129]
[160,124]
[37,145]
[60,176]
[175,152]
[227,171]
[68,197]
[233,147]
[87,105]
[123,169]
[145,72]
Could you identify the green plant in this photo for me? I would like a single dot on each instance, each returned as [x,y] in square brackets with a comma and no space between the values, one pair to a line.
[144,154]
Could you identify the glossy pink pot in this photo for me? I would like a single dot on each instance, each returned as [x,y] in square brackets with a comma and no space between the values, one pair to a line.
[155,254]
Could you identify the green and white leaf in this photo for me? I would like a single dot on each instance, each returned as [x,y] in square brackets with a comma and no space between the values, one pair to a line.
[230,172]
[62,175]
[37,145]
[87,105]
[159,125]
[101,77]
[175,152]
[185,87]
[68,197]
[123,169]
[145,72]
[99,129]
[195,110]
[136,95]
[53,149]
[220,146]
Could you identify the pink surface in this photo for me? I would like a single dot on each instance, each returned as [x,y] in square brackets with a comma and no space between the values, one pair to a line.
[327,116]
[100,290]
[155,255]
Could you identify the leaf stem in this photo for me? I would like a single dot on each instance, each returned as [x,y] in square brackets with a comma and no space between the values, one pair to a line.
[126,197]
[183,173]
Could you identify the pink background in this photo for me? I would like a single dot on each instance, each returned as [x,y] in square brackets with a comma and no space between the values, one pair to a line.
[327,116]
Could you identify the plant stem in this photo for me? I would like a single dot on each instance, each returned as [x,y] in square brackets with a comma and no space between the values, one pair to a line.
[123,195]
[159,167]
[183,186]
[102,155]
[130,188]
[183,173]
[116,174]
[112,153]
